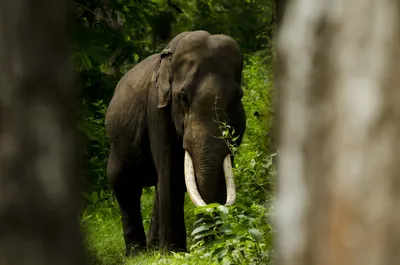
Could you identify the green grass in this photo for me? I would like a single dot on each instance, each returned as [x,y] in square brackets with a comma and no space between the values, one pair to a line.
[102,226]
[101,223]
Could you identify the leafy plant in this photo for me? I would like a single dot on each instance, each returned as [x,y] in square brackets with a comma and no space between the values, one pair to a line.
[227,131]
[231,235]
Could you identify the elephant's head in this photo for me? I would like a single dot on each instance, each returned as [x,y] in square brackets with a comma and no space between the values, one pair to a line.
[199,78]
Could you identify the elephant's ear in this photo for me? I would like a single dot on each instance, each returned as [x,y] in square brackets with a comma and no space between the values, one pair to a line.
[162,82]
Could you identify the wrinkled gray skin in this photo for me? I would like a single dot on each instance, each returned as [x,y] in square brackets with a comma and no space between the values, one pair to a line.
[160,108]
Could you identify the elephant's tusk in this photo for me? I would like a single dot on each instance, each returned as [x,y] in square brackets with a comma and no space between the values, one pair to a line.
[192,187]
[191,182]
[230,182]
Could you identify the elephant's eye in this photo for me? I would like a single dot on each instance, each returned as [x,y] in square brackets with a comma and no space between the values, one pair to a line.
[183,97]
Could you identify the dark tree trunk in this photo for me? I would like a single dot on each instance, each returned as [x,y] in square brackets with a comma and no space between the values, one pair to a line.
[38,157]
[279,12]
[280,6]
[339,133]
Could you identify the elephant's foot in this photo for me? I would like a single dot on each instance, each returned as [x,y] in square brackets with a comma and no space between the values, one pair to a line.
[172,245]
[153,244]
[153,239]
[131,250]
[175,248]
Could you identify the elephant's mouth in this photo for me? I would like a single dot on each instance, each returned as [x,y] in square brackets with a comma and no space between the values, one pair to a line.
[192,186]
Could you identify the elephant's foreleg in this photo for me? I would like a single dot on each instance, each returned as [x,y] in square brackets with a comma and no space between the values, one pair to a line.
[171,211]
[153,236]
[168,158]
[171,195]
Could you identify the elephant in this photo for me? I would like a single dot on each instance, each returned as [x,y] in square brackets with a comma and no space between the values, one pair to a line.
[163,126]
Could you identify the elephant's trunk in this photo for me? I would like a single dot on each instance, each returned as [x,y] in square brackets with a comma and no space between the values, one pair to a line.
[191,185]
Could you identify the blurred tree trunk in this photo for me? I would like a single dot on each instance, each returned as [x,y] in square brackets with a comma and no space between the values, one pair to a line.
[339,133]
[38,157]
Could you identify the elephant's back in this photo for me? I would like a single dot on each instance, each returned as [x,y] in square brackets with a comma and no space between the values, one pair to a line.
[126,112]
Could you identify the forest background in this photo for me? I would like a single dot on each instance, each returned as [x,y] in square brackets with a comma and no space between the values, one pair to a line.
[110,37]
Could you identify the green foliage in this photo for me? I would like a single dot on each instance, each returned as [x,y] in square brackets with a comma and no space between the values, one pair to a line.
[229,136]
[102,227]
[234,235]
[110,32]
[250,22]
[95,156]
[253,167]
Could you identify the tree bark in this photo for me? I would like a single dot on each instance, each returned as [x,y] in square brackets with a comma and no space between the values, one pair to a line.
[338,195]
[38,157]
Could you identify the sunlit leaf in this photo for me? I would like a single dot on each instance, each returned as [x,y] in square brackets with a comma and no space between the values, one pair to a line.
[257,235]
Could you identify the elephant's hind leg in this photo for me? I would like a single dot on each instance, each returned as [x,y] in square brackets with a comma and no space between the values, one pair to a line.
[132,222]
[128,192]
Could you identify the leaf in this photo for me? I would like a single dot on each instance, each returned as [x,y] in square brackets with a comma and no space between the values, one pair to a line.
[257,235]
[94,196]
[240,228]
[203,234]
[85,218]
[202,228]
[203,219]
[226,262]
[227,228]
[219,252]
[209,244]
[223,208]
[212,205]
[219,222]
[229,237]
